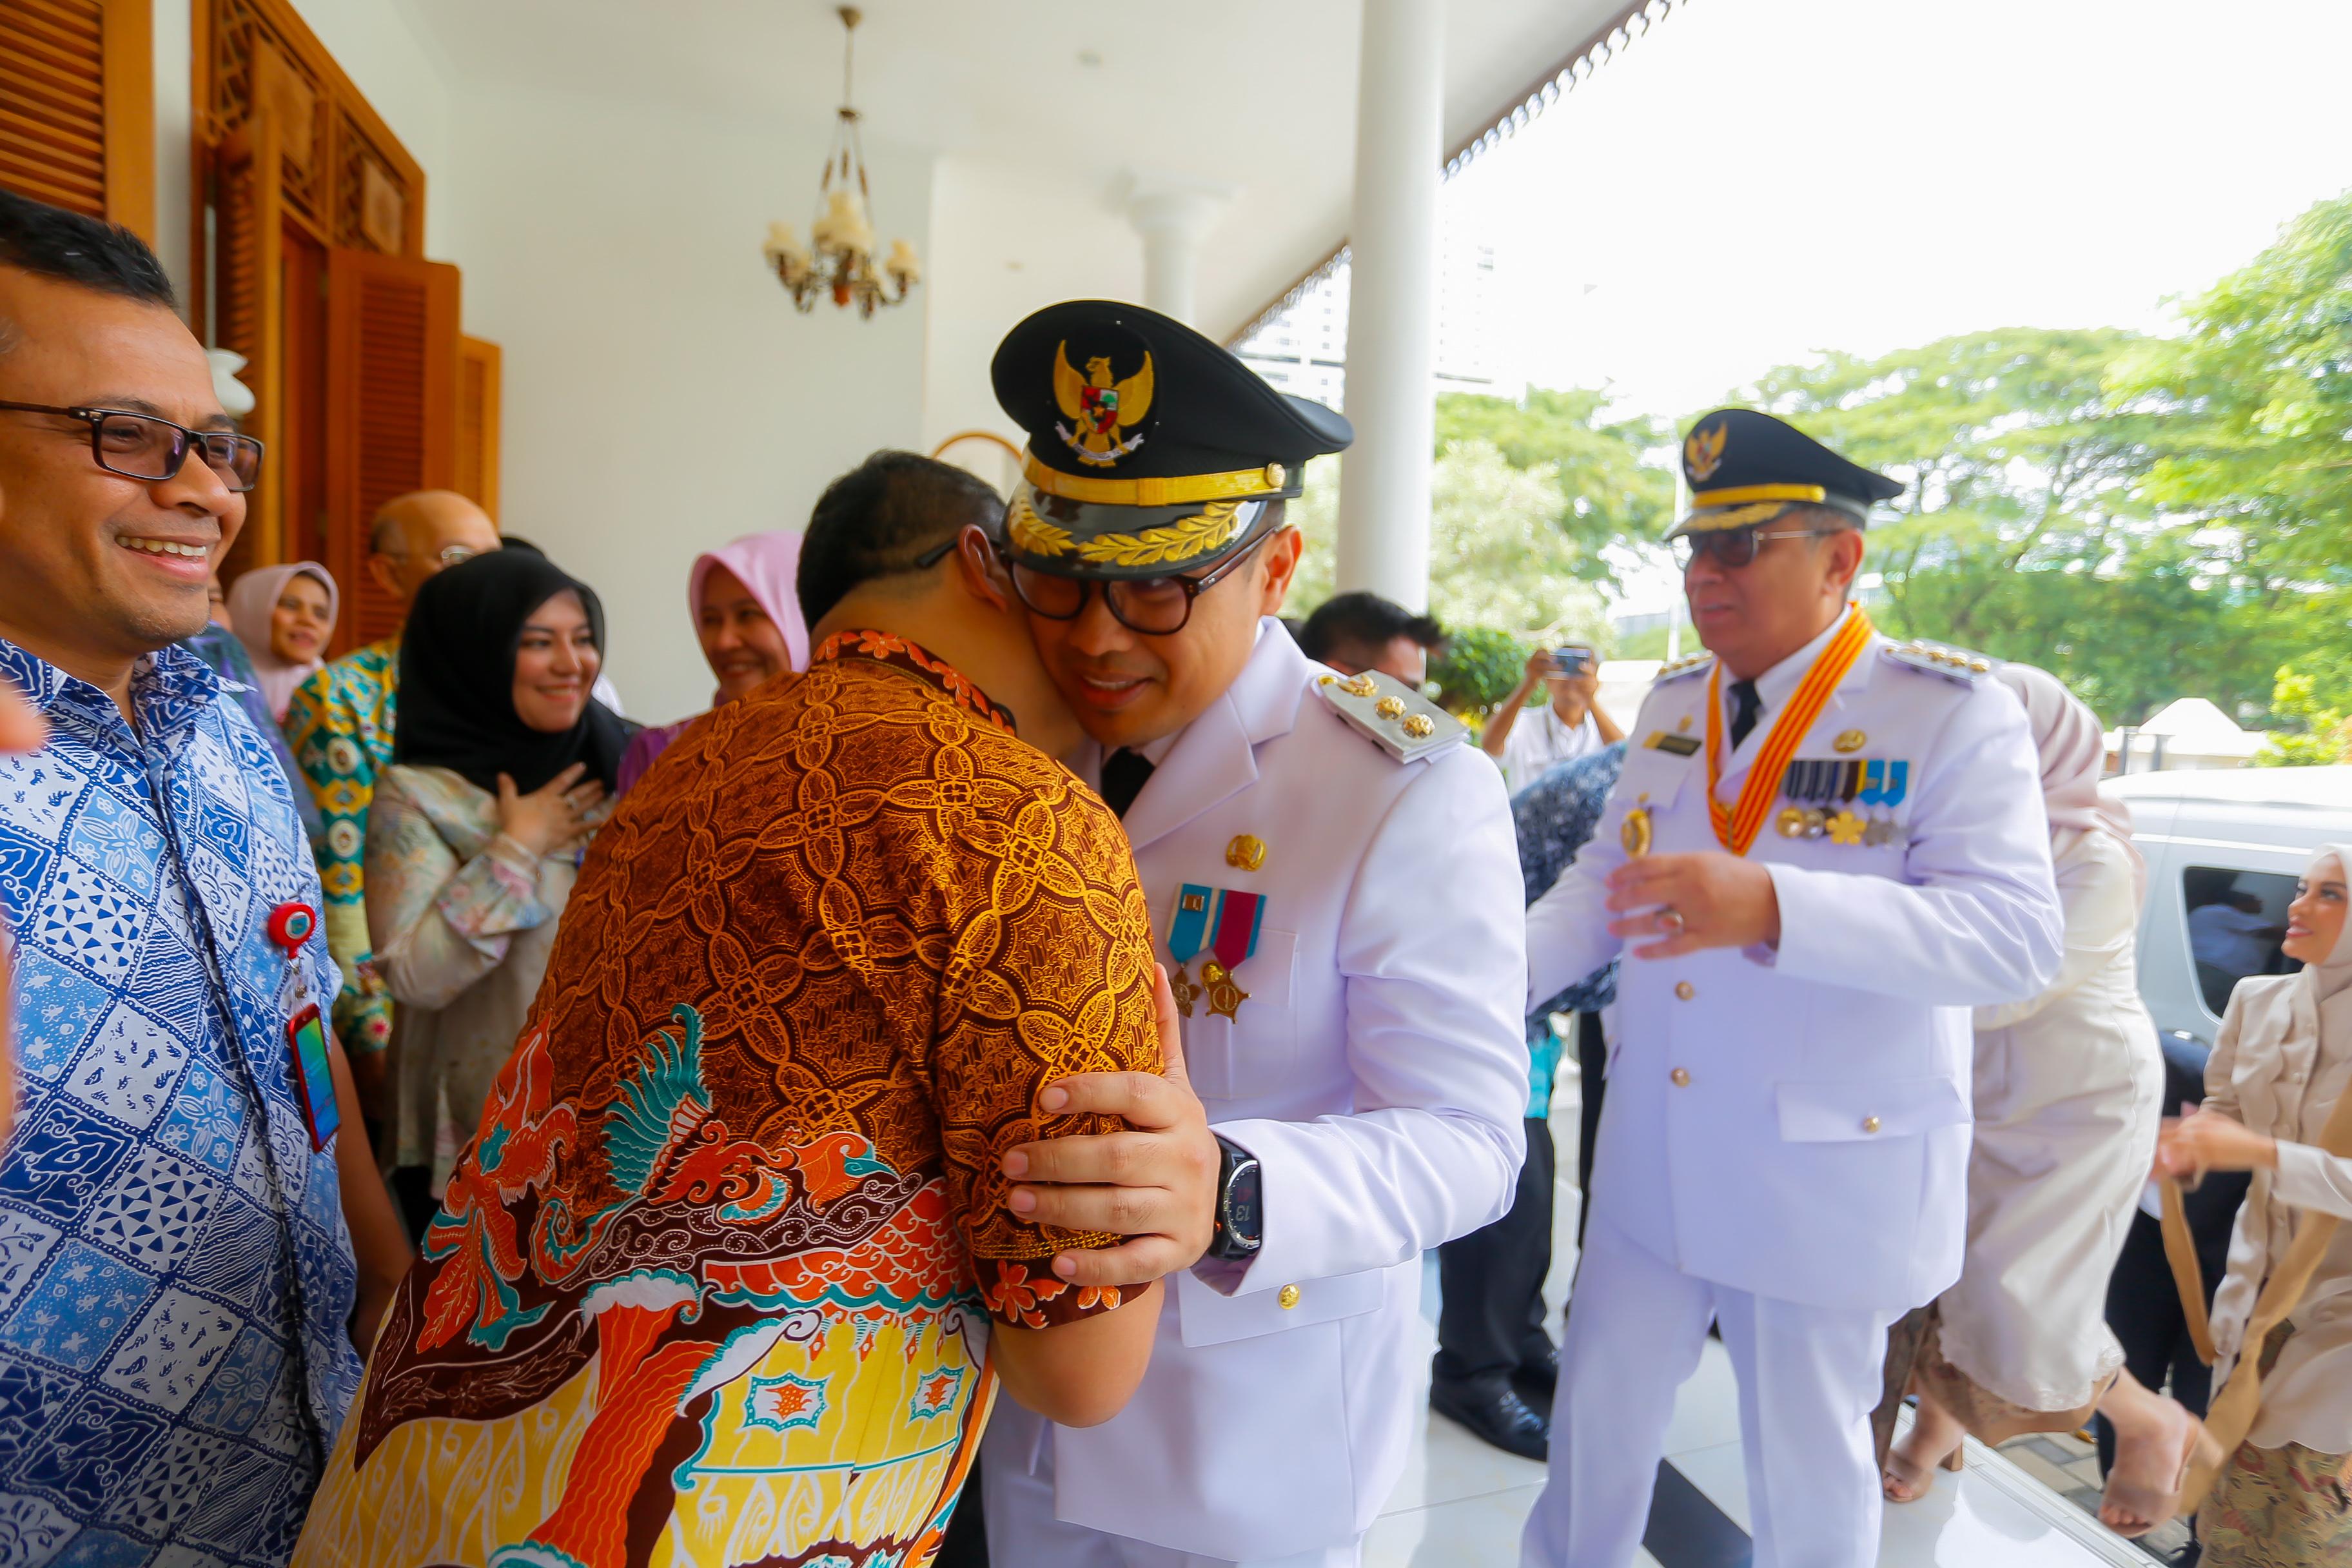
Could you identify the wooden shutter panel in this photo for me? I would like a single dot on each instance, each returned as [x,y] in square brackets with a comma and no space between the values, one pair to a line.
[250,320]
[479,365]
[78,107]
[391,411]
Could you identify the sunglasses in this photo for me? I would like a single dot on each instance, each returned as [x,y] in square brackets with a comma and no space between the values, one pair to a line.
[143,446]
[1735,547]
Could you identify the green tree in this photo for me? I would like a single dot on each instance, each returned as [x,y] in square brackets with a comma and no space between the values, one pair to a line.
[1614,485]
[1479,669]
[2027,530]
[2259,392]
[1496,557]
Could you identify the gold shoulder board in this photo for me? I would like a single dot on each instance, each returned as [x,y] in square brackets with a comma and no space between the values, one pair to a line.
[1393,715]
[1955,664]
[1674,670]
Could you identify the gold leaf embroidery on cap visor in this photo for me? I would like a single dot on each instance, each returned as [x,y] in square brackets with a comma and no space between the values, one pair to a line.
[1182,540]
[1033,534]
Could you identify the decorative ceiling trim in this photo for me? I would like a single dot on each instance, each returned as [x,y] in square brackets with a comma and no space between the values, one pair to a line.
[1612,38]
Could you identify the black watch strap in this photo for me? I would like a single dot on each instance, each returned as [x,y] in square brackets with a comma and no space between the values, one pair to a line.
[1240,1227]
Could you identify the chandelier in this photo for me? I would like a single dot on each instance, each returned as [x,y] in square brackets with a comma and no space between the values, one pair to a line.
[839,257]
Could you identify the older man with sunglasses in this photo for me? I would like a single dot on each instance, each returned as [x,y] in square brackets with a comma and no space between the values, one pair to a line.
[1824,848]
[179,1295]
[1331,877]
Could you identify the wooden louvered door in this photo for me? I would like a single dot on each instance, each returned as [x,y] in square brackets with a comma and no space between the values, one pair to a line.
[78,107]
[249,317]
[479,365]
[392,412]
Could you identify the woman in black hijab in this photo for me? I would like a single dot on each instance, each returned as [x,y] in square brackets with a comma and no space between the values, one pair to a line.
[502,765]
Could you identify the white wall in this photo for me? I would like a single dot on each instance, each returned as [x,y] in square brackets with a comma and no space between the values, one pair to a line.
[1006,240]
[662,396]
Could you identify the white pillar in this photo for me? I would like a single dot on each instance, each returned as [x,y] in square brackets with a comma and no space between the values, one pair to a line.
[1174,216]
[1383,542]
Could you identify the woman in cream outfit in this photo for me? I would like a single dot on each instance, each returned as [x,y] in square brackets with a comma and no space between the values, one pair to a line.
[2069,1086]
[2281,1062]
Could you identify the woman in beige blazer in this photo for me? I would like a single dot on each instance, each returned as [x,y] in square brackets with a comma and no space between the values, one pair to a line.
[2068,1090]
[2281,1062]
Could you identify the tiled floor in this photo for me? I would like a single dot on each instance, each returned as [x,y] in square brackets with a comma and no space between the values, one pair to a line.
[1461,1503]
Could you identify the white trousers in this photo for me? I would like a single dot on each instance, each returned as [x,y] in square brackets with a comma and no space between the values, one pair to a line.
[1809,1378]
[1023,1533]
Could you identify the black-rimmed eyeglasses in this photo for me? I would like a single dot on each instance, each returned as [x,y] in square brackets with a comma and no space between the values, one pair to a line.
[1735,547]
[144,446]
[1155,606]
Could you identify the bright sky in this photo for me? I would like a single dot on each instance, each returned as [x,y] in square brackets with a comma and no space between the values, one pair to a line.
[1759,179]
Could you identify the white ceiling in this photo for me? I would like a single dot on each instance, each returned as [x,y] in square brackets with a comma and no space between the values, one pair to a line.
[1257,94]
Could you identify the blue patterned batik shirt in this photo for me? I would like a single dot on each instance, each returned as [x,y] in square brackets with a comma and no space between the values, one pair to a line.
[1554,816]
[175,1271]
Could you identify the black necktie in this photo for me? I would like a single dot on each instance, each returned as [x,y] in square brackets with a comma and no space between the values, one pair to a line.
[1124,775]
[1744,704]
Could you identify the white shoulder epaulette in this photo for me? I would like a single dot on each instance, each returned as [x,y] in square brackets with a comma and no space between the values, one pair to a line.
[1933,658]
[1693,664]
[1393,715]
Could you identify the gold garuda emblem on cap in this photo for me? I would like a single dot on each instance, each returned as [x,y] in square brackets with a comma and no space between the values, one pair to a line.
[1703,453]
[1099,408]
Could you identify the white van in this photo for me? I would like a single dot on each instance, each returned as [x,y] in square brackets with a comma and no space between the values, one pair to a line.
[2223,851]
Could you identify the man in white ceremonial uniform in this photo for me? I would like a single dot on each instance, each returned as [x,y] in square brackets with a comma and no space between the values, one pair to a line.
[1331,874]
[1823,849]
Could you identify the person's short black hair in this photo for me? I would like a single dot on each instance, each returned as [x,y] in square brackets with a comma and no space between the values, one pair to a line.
[1364,621]
[876,519]
[66,248]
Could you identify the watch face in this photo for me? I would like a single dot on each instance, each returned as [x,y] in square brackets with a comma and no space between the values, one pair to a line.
[1242,1217]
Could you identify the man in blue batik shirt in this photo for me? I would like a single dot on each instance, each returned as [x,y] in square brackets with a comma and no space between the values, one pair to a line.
[1495,1367]
[178,1289]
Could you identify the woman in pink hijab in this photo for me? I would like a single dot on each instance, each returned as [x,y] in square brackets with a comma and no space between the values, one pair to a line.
[284,615]
[747,611]
[2069,1090]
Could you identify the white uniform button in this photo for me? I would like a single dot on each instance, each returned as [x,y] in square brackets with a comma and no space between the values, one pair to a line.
[1681,1077]
[1870,1124]
[1685,990]
[1287,1295]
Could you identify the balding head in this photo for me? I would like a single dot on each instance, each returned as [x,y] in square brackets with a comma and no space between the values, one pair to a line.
[411,535]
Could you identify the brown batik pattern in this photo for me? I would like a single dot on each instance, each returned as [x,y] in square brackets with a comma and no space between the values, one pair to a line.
[895,917]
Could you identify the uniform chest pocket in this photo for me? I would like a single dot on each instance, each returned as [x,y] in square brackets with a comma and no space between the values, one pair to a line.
[1650,782]
[1253,1052]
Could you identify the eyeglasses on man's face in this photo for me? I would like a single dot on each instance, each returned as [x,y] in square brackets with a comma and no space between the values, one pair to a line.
[1155,606]
[146,447]
[1735,547]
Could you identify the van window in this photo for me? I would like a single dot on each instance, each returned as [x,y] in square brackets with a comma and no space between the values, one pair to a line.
[2236,922]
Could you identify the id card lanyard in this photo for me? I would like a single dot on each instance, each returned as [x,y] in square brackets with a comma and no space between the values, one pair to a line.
[290,926]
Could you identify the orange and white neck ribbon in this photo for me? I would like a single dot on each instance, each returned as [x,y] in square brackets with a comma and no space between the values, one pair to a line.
[1736,827]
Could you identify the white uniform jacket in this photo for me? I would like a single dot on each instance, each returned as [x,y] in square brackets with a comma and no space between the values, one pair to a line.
[1379,1073]
[1795,1123]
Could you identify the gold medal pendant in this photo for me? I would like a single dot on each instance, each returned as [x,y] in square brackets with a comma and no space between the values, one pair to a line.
[1635,833]
[1225,998]
[1181,987]
[1790,823]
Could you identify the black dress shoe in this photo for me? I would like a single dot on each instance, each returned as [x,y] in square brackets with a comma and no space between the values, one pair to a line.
[1538,1379]
[1496,1416]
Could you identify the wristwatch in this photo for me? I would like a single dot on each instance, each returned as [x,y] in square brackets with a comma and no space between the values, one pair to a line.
[1240,1222]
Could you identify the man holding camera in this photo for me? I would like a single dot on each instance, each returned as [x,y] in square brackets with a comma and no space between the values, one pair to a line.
[1571,724]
